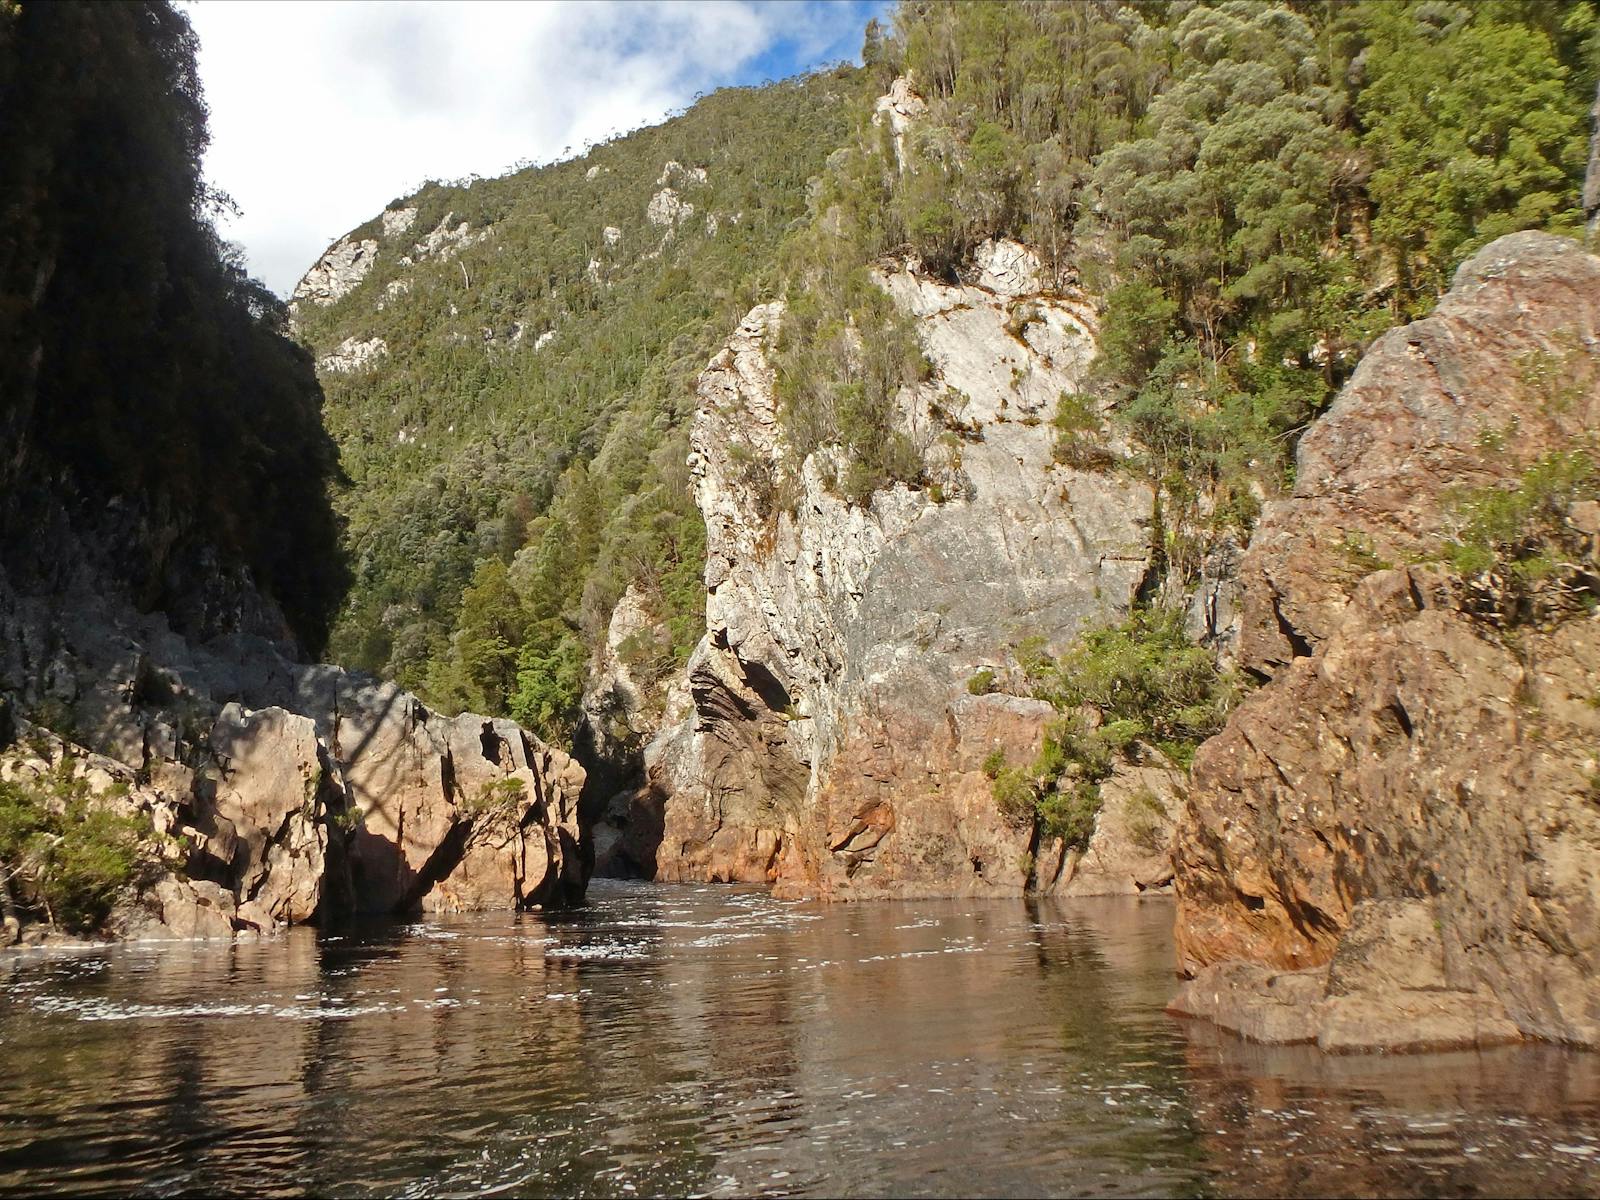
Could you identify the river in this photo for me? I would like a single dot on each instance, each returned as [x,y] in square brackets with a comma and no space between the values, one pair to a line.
[713,1041]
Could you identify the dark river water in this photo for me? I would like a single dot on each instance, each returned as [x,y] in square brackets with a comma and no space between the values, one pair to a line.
[711,1041]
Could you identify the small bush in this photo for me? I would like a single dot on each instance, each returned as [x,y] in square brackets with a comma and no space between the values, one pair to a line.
[1362,554]
[1015,796]
[982,682]
[1080,434]
[1147,819]
[1140,681]
[498,795]
[1516,548]
[1070,813]
[65,852]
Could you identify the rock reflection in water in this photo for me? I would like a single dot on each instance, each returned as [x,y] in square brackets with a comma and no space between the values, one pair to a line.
[1290,1120]
[702,1040]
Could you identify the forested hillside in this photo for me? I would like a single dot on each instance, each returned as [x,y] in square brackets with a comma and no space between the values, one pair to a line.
[1255,190]
[1252,190]
[517,455]
[146,383]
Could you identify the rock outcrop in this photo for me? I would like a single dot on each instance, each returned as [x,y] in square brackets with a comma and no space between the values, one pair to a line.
[294,792]
[1396,842]
[354,354]
[899,108]
[338,272]
[834,745]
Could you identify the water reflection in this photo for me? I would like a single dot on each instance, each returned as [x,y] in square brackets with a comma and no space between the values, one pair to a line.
[713,1041]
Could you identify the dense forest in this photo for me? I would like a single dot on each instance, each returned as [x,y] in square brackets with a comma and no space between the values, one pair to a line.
[1252,190]
[139,364]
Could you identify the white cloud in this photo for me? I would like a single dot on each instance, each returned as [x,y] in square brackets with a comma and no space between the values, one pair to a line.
[321,113]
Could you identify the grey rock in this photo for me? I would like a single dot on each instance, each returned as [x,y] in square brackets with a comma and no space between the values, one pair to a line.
[834,746]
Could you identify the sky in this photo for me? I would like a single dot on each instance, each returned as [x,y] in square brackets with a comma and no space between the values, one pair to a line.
[324,111]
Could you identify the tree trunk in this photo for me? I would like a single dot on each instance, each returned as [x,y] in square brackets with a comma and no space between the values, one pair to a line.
[1591,183]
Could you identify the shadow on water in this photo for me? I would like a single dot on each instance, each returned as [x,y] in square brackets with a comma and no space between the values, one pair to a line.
[714,1041]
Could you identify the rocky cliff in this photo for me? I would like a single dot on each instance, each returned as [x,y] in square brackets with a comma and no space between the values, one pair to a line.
[1396,842]
[280,792]
[834,744]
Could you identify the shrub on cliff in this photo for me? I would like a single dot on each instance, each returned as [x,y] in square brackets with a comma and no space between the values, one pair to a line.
[844,354]
[67,852]
[1523,552]
[1140,681]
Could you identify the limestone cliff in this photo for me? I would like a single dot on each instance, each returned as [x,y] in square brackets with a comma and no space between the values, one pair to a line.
[834,744]
[1395,842]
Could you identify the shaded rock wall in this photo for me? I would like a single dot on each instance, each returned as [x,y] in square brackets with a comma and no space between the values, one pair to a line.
[299,792]
[1415,776]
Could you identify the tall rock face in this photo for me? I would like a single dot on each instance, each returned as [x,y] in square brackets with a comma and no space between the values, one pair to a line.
[834,745]
[1396,842]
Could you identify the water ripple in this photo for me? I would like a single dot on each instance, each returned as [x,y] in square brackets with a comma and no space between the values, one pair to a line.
[714,1042]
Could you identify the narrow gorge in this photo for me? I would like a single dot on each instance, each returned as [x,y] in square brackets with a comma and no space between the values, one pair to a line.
[1042,581]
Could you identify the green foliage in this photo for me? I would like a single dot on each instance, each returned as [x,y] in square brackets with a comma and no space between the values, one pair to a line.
[1081,434]
[66,850]
[140,367]
[1362,555]
[1517,548]
[496,796]
[1021,97]
[1146,679]
[1015,795]
[1257,189]
[550,674]
[1137,681]
[982,682]
[468,445]
[1474,129]
[844,353]
[1146,819]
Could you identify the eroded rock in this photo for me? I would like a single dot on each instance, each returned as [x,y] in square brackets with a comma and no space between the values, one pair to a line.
[338,272]
[834,745]
[1408,750]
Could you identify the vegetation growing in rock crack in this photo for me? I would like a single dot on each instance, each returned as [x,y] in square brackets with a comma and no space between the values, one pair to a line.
[66,853]
[1522,552]
[1118,690]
